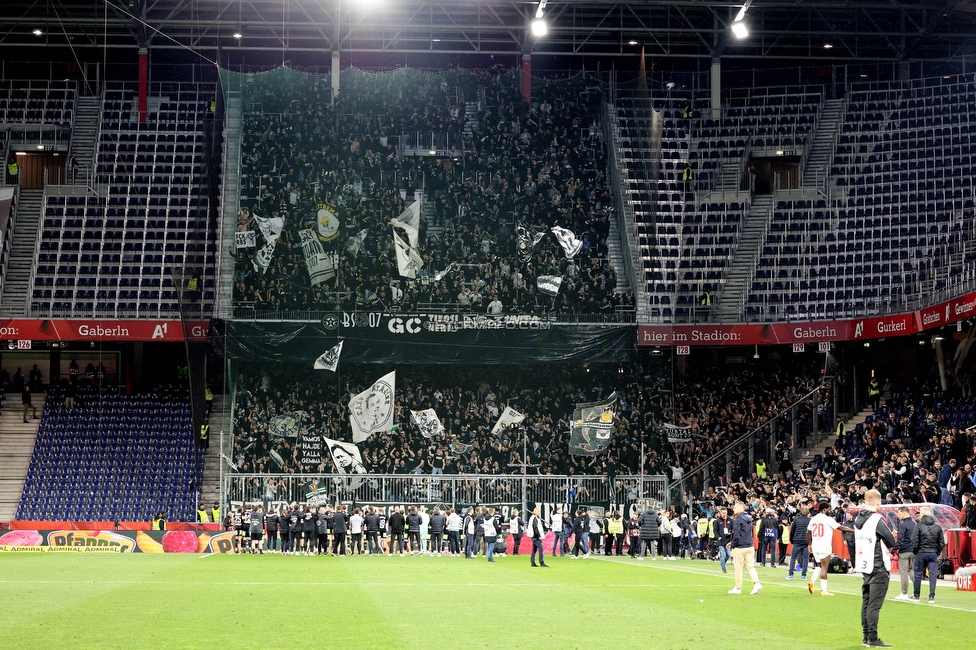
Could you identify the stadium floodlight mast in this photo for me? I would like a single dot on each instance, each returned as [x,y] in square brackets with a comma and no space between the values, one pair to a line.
[538,25]
[739,29]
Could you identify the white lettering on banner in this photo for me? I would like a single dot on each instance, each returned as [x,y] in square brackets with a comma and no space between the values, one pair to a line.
[885,328]
[683,350]
[654,337]
[160,331]
[859,329]
[98,330]
[399,326]
[928,319]
[199,332]
[814,333]
[9,331]
[698,335]
[961,308]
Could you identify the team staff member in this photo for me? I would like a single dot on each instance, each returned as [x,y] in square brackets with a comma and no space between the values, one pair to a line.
[413,531]
[308,531]
[294,530]
[516,530]
[872,541]
[743,550]
[928,540]
[257,529]
[650,533]
[798,537]
[633,535]
[356,523]
[722,526]
[454,525]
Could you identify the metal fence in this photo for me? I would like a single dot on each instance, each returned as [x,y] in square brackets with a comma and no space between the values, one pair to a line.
[450,490]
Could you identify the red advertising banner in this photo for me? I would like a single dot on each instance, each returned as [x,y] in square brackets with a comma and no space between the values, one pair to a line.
[99,330]
[873,327]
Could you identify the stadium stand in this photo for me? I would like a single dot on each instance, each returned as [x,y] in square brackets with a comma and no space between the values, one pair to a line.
[114,457]
[37,102]
[503,163]
[110,254]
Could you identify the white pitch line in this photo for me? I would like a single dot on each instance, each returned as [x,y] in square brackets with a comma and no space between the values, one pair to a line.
[717,574]
[353,584]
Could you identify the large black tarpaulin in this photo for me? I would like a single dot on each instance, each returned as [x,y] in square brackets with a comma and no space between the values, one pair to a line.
[431,339]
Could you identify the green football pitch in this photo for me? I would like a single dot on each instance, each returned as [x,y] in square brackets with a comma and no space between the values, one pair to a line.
[214,601]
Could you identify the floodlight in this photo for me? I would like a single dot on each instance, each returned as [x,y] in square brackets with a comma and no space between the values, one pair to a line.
[539,27]
[38,32]
[740,30]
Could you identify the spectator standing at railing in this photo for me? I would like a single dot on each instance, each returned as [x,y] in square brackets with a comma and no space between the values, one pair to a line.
[74,165]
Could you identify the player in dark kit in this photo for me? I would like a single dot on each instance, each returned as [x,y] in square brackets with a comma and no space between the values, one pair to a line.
[239,529]
[257,529]
[295,530]
[322,532]
[308,530]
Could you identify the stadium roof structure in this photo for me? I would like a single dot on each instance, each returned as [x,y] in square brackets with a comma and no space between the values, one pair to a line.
[838,30]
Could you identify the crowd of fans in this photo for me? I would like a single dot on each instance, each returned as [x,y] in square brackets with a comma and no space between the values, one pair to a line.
[718,408]
[537,164]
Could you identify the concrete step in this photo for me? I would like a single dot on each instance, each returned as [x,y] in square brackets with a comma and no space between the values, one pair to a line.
[16,447]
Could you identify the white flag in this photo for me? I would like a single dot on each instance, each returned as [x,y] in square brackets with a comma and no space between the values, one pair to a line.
[408,261]
[409,220]
[507,419]
[245,239]
[567,239]
[549,284]
[270,228]
[372,410]
[428,422]
[330,360]
[354,243]
[347,460]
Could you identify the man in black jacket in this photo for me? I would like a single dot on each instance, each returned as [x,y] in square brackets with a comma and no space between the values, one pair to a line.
[372,521]
[798,538]
[339,526]
[413,531]
[581,524]
[437,523]
[928,540]
[872,559]
[396,522]
[723,529]
[768,533]
[906,556]
[650,532]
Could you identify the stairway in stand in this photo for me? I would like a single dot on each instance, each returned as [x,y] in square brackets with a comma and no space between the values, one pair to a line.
[16,283]
[16,446]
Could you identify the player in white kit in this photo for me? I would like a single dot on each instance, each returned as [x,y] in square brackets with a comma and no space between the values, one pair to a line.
[820,537]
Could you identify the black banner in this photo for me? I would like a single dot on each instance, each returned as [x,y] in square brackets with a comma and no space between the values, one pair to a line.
[371,337]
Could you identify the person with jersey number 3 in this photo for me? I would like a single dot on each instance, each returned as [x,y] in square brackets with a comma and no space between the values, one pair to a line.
[872,559]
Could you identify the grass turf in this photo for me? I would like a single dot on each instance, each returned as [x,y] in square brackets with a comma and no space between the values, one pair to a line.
[193,601]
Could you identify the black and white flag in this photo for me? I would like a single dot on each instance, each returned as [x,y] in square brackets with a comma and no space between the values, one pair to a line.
[287,425]
[567,239]
[321,266]
[408,260]
[347,460]
[508,417]
[371,411]
[549,284]
[409,220]
[526,241]
[270,227]
[245,239]
[262,260]
[592,428]
[354,243]
[428,422]
[330,360]
[676,433]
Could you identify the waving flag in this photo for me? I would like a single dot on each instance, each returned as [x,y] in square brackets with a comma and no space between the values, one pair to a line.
[567,239]
[372,410]
[330,360]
